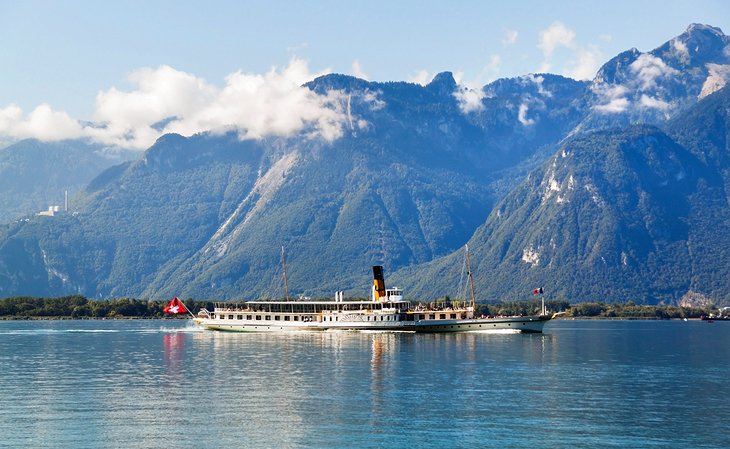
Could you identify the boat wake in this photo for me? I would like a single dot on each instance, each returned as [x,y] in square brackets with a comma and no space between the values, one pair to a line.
[191,328]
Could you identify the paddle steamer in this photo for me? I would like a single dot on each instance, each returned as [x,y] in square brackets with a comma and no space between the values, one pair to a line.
[386,311]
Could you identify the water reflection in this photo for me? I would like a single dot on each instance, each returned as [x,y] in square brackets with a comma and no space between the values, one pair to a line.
[174,346]
[382,349]
[286,389]
[119,384]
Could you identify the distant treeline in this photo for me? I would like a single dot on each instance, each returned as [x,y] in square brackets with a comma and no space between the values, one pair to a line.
[594,310]
[80,307]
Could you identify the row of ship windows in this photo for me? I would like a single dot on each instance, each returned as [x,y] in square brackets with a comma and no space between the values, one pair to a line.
[296,318]
[432,316]
[267,317]
[442,316]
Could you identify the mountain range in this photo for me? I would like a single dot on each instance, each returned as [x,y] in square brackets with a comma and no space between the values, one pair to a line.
[613,189]
[633,213]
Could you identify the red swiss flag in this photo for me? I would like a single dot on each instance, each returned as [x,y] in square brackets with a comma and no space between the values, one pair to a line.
[175,307]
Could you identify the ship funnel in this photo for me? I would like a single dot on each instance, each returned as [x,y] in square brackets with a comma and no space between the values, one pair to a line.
[378,283]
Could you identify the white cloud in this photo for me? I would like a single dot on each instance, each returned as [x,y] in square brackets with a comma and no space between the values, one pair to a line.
[422,77]
[373,100]
[614,106]
[680,50]
[612,99]
[357,71]
[160,94]
[584,60]
[9,116]
[470,100]
[648,68]
[510,37]
[556,35]
[167,100]
[588,60]
[42,123]
[654,103]
[269,104]
[538,81]
[522,115]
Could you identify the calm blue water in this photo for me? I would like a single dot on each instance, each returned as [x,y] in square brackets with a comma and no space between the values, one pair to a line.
[162,384]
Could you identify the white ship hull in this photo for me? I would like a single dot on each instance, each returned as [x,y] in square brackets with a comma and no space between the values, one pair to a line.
[526,324]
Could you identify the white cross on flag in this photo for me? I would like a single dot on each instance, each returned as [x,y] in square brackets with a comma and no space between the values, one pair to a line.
[175,307]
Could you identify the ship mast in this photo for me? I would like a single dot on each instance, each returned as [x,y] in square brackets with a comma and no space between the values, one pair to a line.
[283,264]
[471,280]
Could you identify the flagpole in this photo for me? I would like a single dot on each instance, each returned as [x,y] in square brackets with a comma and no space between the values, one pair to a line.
[539,291]
[186,308]
[471,283]
[283,264]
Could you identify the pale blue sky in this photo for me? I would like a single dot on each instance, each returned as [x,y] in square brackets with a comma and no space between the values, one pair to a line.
[64,52]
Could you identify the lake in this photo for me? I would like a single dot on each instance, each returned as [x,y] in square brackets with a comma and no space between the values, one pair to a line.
[166,384]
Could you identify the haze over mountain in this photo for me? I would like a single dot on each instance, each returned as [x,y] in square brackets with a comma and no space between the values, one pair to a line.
[34,175]
[601,190]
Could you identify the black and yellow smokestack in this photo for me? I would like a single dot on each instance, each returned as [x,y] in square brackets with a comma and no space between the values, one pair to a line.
[379,282]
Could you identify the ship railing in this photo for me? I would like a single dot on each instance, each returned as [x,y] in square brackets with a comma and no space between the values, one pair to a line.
[231,307]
